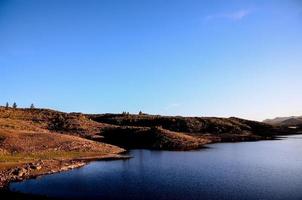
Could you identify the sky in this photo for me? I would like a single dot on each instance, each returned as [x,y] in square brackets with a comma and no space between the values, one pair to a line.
[219,58]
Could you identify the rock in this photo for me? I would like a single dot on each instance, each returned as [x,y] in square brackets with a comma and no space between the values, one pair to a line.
[21,172]
[38,167]
[2,179]
[35,166]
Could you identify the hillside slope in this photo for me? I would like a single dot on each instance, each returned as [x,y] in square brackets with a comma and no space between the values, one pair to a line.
[196,126]
[30,146]
[144,131]
[84,126]
[152,138]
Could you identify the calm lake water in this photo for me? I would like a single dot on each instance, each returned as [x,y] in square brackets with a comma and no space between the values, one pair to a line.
[248,170]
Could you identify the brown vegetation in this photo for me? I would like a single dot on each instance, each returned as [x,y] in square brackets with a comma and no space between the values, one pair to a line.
[28,136]
[196,126]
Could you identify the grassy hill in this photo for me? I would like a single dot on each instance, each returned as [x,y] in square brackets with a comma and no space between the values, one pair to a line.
[32,143]
[145,131]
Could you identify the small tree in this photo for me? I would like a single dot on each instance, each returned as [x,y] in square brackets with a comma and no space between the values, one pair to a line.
[32,106]
[125,113]
[6,105]
[14,105]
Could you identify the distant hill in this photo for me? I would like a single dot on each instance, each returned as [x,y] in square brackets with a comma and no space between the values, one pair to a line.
[285,121]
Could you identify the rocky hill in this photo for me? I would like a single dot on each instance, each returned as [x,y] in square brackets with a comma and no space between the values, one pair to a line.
[45,121]
[164,131]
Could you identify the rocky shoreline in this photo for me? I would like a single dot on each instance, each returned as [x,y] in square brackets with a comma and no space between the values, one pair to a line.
[46,167]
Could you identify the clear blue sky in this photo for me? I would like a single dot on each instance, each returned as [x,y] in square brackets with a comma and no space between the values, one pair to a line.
[176,57]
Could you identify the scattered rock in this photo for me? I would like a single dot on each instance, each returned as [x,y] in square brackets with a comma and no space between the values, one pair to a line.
[38,167]
[20,172]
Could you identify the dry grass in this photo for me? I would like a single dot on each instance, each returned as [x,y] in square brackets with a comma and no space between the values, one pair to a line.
[24,140]
[11,160]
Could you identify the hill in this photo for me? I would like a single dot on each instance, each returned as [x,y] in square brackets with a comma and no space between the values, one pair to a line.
[144,131]
[30,144]
[287,125]
[210,127]
[83,126]
[285,121]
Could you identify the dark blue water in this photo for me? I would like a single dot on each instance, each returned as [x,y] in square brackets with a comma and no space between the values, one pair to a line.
[248,170]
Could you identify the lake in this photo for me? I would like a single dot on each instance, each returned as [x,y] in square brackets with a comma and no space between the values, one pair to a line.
[270,169]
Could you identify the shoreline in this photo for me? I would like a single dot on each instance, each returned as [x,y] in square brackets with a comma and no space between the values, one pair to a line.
[47,167]
[58,166]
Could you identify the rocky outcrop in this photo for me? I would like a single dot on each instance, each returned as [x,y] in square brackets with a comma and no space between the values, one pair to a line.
[19,173]
[32,170]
